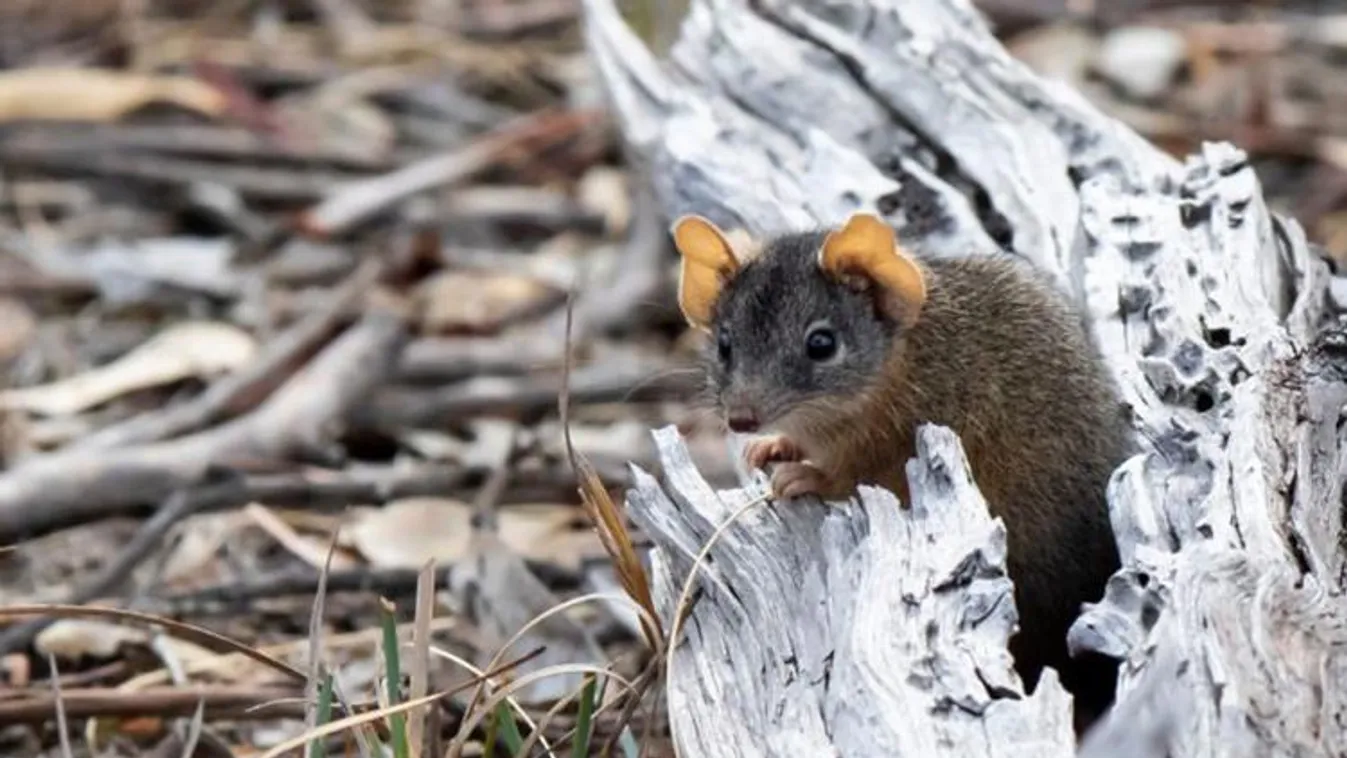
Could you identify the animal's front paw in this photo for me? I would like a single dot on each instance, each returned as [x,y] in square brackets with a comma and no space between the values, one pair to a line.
[777,448]
[797,478]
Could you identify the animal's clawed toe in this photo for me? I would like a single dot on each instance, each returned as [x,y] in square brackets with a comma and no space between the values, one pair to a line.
[796,479]
[775,449]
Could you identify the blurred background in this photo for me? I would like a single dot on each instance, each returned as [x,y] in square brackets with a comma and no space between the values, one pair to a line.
[283,315]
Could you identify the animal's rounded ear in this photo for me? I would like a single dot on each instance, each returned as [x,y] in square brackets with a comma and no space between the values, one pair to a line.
[867,246]
[708,262]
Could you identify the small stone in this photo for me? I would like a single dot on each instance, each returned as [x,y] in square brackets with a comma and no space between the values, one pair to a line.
[1141,60]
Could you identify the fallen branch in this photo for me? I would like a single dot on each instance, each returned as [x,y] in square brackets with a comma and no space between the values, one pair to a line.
[393,584]
[356,202]
[1211,314]
[398,407]
[281,183]
[32,144]
[242,391]
[300,421]
[237,703]
[112,575]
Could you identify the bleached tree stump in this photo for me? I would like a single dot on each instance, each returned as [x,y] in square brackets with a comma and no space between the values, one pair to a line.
[859,629]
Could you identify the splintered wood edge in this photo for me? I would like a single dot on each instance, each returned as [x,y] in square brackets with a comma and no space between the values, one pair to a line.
[856,612]
[1182,269]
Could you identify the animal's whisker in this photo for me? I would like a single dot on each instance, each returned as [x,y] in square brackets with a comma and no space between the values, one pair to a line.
[658,376]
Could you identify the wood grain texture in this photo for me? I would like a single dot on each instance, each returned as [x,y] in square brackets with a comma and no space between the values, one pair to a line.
[1212,315]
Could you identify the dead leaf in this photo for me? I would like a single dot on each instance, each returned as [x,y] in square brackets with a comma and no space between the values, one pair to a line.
[304,547]
[478,301]
[407,533]
[17,326]
[185,350]
[193,556]
[547,533]
[74,639]
[90,94]
[605,190]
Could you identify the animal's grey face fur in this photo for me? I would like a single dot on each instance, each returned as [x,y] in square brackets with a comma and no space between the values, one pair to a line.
[764,317]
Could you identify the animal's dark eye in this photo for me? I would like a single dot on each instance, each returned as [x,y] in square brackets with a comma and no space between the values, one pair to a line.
[820,344]
[723,345]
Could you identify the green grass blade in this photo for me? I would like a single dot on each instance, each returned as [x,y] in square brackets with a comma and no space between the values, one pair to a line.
[509,730]
[316,748]
[580,746]
[397,722]
[489,745]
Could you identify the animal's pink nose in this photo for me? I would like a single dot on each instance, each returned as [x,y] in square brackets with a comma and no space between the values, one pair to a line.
[743,421]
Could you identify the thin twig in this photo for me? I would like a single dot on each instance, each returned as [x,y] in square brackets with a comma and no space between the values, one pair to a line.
[356,202]
[62,727]
[243,390]
[199,635]
[141,546]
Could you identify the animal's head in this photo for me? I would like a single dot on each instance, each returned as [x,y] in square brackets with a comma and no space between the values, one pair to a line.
[798,323]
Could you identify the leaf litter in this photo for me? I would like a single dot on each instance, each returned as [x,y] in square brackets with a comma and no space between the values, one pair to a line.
[284,326]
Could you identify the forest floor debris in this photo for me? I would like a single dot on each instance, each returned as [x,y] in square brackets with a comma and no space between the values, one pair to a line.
[283,316]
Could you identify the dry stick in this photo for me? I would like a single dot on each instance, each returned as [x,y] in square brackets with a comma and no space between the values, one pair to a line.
[242,391]
[199,140]
[331,490]
[114,671]
[301,419]
[231,702]
[176,508]
[62,726]
[201,636]
[194,730]
[397,407]
[274,184]
[292,489]
[357,201]
[386,582]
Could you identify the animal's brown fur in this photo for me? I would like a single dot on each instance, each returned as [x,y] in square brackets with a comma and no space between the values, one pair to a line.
[998,355]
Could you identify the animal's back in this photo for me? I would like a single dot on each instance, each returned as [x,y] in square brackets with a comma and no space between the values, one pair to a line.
[1004,359]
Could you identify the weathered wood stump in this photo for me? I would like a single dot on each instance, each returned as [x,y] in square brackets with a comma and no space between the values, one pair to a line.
[863,629]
